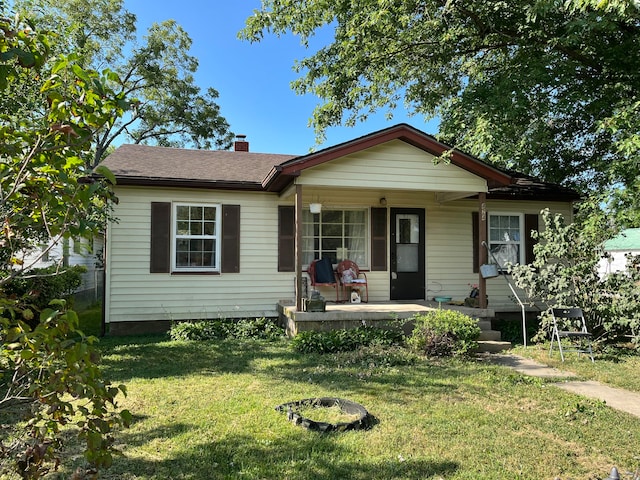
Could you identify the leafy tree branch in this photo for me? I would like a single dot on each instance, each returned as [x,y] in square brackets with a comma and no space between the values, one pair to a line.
[546,88]
[52,109]
[156,74]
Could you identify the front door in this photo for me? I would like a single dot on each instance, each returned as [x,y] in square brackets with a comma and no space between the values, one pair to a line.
[407,254]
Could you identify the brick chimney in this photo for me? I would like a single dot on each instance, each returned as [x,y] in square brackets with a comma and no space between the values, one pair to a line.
[241,144]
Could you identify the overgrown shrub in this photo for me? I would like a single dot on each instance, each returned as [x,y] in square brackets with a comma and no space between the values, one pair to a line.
[42,285]
[444,333]
[49,376]
[201,330]
[342,340]
[263,327]
[375,356]
[220,329]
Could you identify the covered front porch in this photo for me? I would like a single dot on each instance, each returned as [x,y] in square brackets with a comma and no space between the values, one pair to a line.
[419,227]
[348,315]
[387,204]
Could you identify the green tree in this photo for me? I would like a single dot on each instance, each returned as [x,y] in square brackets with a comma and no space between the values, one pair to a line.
[565,273]
[171,110]
[548,88]
[51,113]
[51,110]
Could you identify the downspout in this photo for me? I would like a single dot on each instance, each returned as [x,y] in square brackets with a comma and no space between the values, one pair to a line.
[103,308]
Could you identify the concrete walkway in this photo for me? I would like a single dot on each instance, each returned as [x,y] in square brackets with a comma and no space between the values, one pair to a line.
[617,398]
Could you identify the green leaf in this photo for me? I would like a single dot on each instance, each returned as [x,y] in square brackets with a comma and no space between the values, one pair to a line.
[126,417]
[106,173]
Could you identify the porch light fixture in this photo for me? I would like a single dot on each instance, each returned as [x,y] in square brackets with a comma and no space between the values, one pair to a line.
[383,201]
[315,207]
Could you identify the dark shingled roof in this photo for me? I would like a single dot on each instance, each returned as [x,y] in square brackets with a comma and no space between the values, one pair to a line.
[526,187]
[177,166]
[238,170]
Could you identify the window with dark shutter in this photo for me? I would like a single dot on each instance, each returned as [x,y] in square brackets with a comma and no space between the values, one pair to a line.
[530,223]
[194,250]
[286,239]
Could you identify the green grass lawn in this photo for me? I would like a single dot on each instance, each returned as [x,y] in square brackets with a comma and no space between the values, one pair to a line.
[90,319]
[205,410]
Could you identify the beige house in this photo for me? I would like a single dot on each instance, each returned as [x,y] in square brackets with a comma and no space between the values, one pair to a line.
[212,234]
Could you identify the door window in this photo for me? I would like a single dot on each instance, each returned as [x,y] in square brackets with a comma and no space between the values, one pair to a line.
[407,242]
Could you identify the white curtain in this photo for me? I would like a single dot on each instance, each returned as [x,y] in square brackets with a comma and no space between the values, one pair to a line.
[356,236]
[506,253]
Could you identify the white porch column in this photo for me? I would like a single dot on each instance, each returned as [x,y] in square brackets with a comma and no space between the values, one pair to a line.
[298,246]
[482,253]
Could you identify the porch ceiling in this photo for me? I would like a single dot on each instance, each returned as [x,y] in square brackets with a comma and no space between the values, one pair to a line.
[444,197]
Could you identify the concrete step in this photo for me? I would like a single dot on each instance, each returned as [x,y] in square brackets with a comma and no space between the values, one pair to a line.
[494,335]
[484,324]
[492,346]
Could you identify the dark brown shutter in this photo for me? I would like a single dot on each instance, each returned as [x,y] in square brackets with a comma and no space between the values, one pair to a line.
[160,237]
[378,239]
[230,239]
[530,223]
[475,235]
[286,239]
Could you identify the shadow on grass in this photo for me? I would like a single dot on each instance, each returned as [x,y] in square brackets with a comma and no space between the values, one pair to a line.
[299,455]
[157,357]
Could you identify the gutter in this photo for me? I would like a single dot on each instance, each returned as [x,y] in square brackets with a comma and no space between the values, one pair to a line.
[185,183]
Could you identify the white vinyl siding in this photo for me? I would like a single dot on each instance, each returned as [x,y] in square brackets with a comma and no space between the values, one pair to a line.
[403,175]
[133,294]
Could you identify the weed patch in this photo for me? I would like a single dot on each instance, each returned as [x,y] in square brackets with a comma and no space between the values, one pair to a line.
[219,329]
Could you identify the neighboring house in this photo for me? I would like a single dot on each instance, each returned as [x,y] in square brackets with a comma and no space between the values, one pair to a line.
[74,252]
[626,242]
[207,234]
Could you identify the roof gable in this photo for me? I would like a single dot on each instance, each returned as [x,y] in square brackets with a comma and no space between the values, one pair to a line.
[403,132]
[242,170]
[392,165]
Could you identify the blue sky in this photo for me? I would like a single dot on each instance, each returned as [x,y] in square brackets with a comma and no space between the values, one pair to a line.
[254,79]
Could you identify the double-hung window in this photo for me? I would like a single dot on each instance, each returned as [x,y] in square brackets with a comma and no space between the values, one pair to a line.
[506,239]
[196,239]
[337,234]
